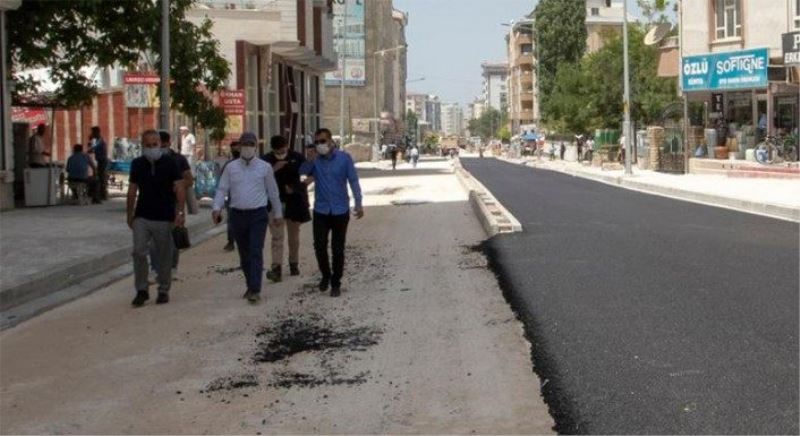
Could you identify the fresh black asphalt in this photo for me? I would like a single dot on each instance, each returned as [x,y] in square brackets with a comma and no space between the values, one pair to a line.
[646,314]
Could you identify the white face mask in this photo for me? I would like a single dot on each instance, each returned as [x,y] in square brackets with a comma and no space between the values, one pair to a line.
[152,154]
[248,153]
[323,149]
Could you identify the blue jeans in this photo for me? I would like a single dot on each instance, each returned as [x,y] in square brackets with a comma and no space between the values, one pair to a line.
[250,230]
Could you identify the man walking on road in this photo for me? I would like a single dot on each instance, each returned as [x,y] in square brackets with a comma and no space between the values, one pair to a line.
[156,196]
[100,150]
[332,171]
[187,179]
[250,185]
[188,143]
[294,198]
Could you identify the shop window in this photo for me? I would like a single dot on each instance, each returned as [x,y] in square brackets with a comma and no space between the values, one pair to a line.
[728,18]
[251,93]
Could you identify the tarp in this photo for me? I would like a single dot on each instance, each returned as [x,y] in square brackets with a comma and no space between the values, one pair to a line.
[530,136]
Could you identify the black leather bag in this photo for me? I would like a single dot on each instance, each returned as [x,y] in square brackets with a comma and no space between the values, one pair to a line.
[180,235]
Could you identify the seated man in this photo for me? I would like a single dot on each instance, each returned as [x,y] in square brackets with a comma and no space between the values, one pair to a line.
[78,166]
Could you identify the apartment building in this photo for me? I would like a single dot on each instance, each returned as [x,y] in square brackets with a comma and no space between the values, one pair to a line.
[523,110]
[452,119]
[495,85]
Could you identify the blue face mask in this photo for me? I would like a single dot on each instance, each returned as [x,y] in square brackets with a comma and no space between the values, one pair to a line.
[152,154]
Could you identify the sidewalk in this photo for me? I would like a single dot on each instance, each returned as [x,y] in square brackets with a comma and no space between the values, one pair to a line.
[771,197]
[44,250]
[421,341]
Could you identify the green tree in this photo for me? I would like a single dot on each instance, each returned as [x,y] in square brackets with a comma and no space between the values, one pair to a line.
[488,124]
[504,133]
[70,38]
[560,39]
[588,96]
[412,125]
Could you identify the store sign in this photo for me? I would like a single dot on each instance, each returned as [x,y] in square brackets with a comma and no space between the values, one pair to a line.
[791,48]
[141,90]
[233,104]
[745,69]
[30,115]
[349,44]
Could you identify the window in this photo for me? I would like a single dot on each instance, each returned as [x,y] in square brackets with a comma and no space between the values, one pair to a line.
[797,14]
[608,3]
[595,12]
[728,18]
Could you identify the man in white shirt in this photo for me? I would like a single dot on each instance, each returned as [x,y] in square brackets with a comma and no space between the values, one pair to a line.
[188,143]
[36,150]
[250,185]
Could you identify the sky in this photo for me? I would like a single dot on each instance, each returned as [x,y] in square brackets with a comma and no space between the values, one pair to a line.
[448,40]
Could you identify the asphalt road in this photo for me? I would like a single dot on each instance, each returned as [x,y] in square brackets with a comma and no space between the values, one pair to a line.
[646,314]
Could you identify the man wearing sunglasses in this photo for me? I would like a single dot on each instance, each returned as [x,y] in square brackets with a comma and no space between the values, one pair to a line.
[332,171]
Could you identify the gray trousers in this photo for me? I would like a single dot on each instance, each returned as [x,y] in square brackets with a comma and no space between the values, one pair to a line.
[159,234]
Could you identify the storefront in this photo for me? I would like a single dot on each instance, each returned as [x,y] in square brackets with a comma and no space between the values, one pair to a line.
[744,96]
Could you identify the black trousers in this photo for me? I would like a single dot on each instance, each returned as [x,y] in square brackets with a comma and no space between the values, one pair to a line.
[336,226]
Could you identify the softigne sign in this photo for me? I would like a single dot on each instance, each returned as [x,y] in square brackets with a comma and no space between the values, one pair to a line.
[744,69]
[791,48]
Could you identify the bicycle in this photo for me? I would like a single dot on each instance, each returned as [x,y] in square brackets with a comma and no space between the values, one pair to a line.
[774,150]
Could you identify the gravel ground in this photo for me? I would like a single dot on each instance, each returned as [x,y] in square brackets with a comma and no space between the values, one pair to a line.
[421,341]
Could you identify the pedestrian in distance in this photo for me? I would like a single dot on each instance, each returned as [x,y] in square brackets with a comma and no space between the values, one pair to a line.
[562,150]
[414,153]
[332,171]
[99,149]
[250,185]
[185,171]
[393,152]
[294,201]
[155,202]
[231,245]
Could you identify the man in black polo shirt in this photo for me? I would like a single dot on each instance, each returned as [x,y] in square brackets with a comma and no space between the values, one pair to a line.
[294,200]
[158,184]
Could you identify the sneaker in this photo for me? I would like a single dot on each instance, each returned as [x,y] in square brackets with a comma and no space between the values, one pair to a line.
[254,297]
[274,274]
[324,283]
[294,270]
[229,246]
[141,297]
[163,298]
[336,291]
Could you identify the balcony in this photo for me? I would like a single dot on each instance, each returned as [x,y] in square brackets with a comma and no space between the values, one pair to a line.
[526,79]
[526,95]
[525,59]
[523,39]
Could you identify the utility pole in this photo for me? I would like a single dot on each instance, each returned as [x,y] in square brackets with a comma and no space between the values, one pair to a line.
[164,121]
[343,54]
[626,126]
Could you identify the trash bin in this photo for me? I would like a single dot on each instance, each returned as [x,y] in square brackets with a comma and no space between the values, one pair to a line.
[41,185]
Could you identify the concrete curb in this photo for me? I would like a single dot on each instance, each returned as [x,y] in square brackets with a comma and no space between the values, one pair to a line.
[776,211]
[494,217]
[95,281]
[50,282]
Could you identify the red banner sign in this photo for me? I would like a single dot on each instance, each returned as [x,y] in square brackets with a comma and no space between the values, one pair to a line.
[31,115]
[232,101]
[141,79]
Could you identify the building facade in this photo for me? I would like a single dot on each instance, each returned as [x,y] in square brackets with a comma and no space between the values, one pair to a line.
[452,119]
[377,101]
[495,85]
[723,32]
[523,110]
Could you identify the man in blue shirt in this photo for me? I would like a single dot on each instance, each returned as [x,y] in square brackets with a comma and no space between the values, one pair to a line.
[332,170]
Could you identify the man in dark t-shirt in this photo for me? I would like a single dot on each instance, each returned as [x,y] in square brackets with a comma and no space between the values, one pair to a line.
[156,197]
[294,199]
[188,181]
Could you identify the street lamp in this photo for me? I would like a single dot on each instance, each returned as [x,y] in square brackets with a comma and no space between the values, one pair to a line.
[375,93]
[626,103]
